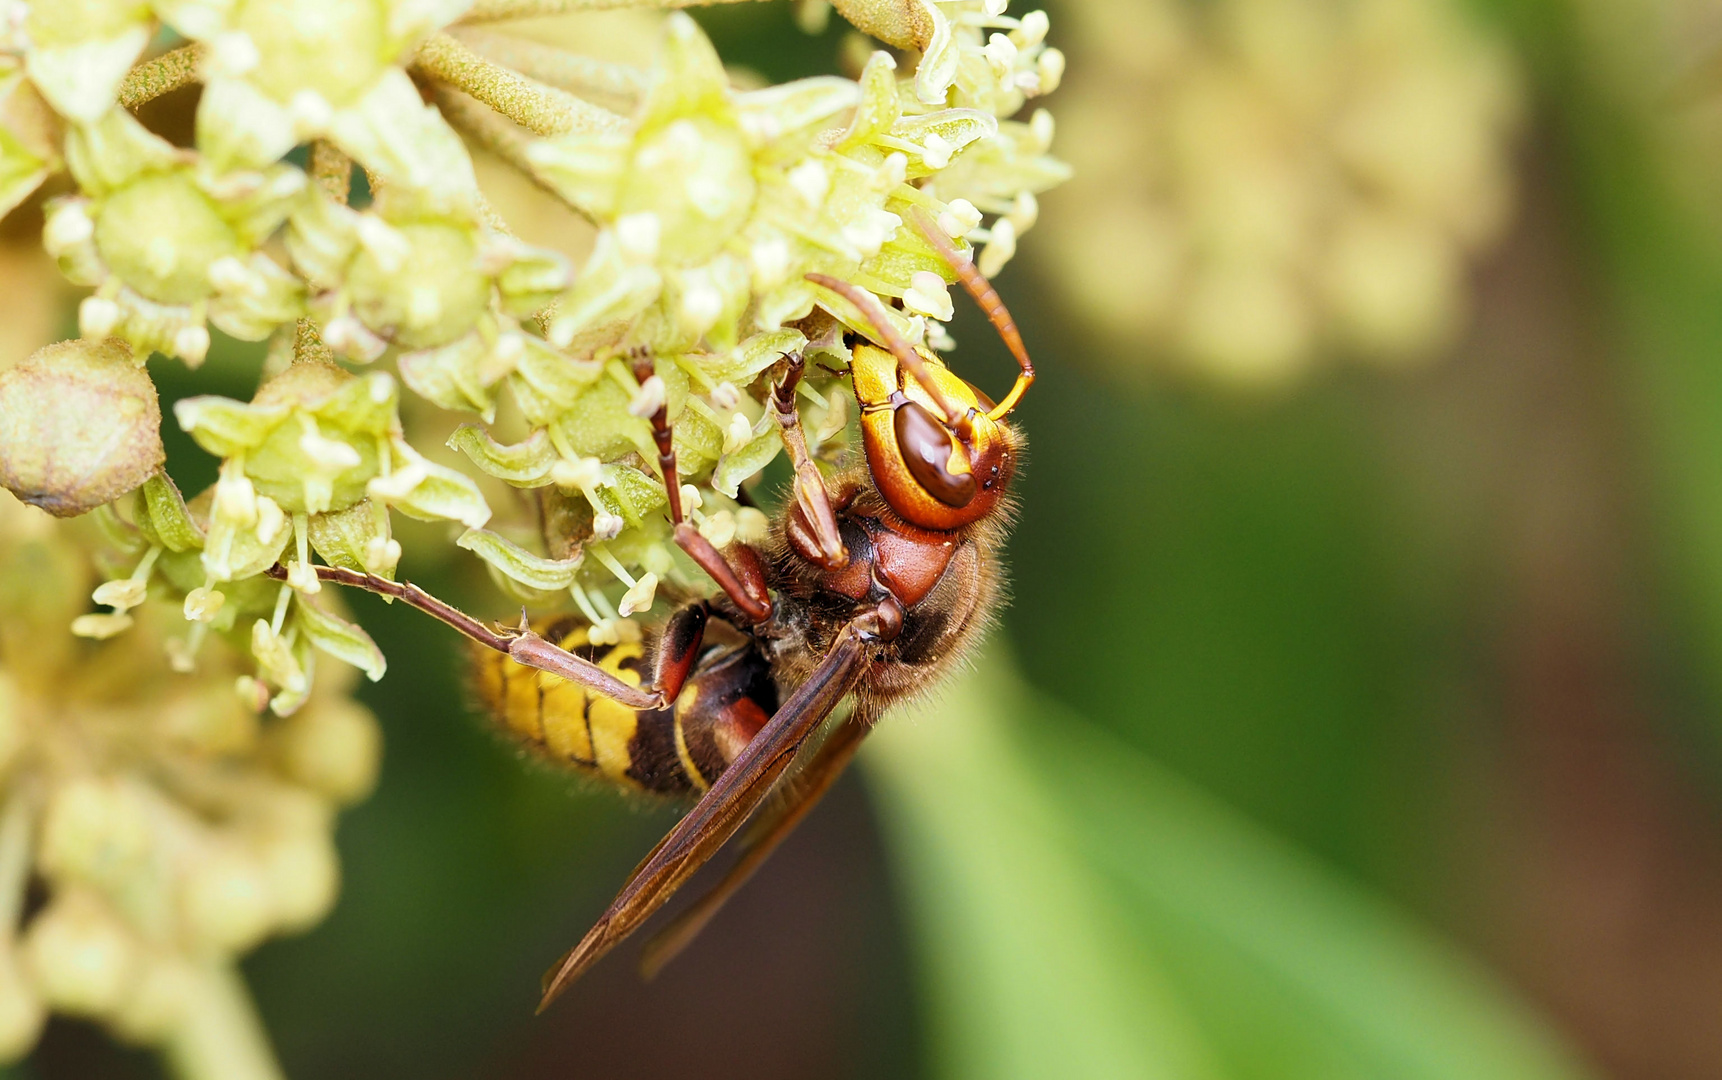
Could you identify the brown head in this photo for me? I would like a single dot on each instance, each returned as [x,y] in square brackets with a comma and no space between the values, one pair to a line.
[935,470]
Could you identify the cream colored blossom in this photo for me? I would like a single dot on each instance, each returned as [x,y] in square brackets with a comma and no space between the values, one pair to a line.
[171,826]
[1263,182]
[279,74]
[78,51]
[168,243]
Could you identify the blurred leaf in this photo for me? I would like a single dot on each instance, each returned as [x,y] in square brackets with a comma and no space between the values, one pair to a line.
[1085,913]
[1028,967]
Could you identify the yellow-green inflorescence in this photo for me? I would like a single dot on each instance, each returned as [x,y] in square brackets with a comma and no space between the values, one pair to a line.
[169,758]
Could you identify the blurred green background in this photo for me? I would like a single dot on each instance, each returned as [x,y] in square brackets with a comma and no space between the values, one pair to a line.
[1361,726]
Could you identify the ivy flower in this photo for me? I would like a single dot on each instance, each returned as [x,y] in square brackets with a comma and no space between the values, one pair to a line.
[315,441]
[439,285]
[717,202]
[169,243]
[29,137]
[79,51]
[280,74]
[167,827]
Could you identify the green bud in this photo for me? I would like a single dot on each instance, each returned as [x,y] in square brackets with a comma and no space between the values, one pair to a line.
[427,288]
[224,899]
[166,986]
[83,960]
[332,748]
[303,875]
[80,425]
[94,829]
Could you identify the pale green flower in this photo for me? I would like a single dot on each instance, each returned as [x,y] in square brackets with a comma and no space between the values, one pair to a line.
[29,139]
[441,287]
[78,51]
[718,202]
[279,74]
[170,243]
[167,824]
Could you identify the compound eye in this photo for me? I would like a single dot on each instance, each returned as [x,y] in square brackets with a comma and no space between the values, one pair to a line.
[928,448]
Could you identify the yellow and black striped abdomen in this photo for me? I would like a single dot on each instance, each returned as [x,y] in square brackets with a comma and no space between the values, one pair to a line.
[670,751]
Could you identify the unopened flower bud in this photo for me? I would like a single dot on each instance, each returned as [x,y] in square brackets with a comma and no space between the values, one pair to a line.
[82,958]
[165,989]
[94,830]
[224,899]
[303,874]
[80,425]
[332,748]
[21,1011]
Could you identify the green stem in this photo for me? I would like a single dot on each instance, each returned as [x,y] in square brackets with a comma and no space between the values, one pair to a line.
[583,75]
[222,1037]
[332,170]
[543,110]
[165,74]
[498,10]
[491,132]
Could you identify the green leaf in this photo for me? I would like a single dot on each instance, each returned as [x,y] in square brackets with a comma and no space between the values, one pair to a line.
[1027,963]
[1085,913]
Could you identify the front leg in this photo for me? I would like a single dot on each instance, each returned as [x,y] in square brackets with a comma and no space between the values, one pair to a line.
[743,581]
[811,497]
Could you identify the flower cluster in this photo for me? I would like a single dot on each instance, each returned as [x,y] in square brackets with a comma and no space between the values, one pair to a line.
[1274,180]
[329,205]
[173,827]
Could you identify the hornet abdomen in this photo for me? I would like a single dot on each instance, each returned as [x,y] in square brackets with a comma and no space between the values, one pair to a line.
[679,750]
